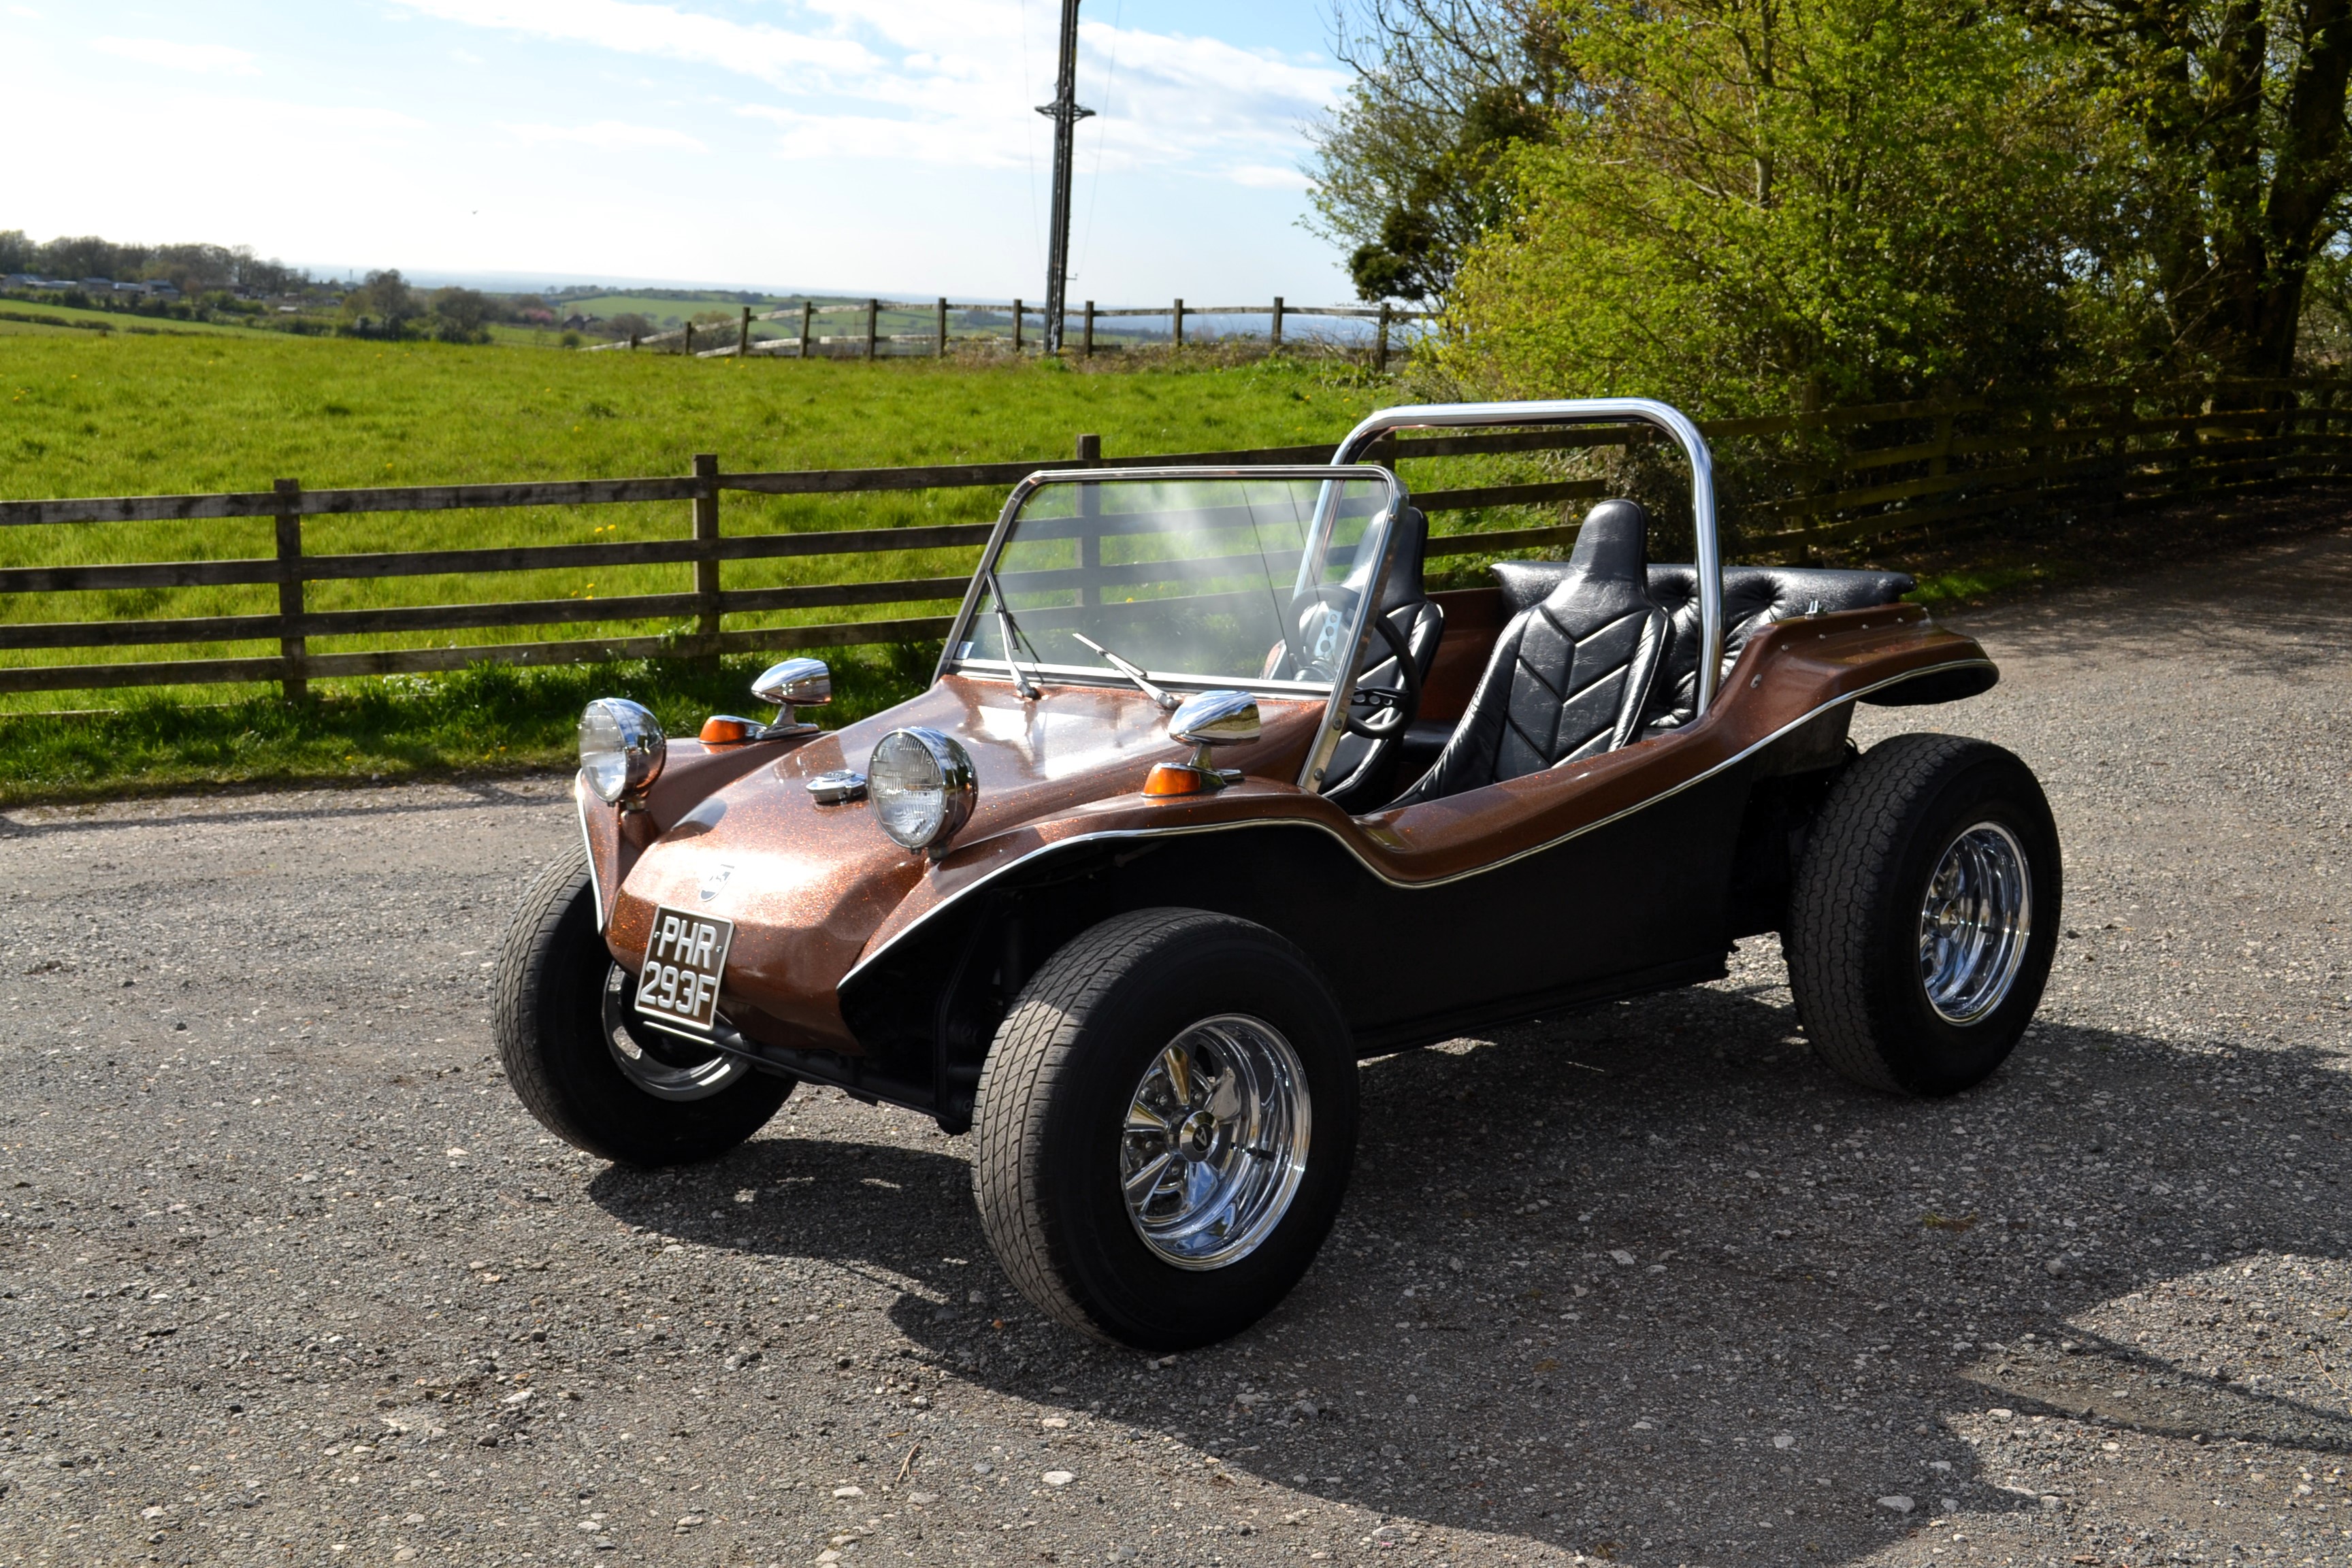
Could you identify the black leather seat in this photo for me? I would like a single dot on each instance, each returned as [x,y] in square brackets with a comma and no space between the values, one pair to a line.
[1753,598]
[1361,767]
[1570,675]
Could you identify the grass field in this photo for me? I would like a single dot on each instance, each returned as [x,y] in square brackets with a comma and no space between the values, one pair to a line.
[12,310]
[86,416]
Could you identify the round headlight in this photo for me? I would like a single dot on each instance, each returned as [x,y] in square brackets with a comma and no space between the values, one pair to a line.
[622,749]
[921,784]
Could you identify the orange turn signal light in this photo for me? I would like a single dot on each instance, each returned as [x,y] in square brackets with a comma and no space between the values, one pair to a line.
[1173,779]
[726,730]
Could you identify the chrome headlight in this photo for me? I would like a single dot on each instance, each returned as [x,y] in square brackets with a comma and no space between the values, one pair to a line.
[922,785]
[622,749]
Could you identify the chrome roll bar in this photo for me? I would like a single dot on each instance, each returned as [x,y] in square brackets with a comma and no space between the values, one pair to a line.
[1708,564]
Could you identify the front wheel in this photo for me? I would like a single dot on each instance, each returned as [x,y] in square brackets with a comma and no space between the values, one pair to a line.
[1925,913]
[1165,1126]
[582,1067]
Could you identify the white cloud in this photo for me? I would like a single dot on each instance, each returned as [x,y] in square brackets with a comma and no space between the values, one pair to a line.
[198,58]
[467,58]
[952,82]
[610,133]
[263,116]
[772,54]
[952,142]
[1268,177]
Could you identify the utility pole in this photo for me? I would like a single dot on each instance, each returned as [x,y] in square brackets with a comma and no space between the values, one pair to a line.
[1065,113]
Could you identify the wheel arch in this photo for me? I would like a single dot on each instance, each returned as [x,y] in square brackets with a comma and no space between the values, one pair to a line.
[932,1000]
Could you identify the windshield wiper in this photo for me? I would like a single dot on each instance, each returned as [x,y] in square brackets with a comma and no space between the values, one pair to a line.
[1011,631]
[1167,703]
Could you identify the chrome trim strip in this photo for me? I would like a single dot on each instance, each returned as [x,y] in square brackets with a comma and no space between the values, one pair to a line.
[1593,411]
[1325,828]
[595,888]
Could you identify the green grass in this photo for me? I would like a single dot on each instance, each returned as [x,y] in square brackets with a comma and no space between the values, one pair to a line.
[87,415]
[92,415]
[490,719]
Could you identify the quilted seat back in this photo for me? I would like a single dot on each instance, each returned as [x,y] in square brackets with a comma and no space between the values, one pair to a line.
[1570,675]
[1754,598]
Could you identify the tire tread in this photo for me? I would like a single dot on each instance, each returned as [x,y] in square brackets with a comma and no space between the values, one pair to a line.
[1848,860]
[1034,1045]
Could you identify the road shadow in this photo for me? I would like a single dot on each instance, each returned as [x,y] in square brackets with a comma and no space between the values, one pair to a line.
[1652,1280]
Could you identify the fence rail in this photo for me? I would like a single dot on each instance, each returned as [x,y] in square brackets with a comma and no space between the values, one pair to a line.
[1794,485]
[868,344]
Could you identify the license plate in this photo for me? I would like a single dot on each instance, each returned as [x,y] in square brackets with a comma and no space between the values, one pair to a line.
[679,981]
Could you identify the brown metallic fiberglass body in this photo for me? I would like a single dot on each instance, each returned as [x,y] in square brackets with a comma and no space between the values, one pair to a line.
[858,962]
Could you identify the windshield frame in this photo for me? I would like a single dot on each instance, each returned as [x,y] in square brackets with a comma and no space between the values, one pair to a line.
[1340,692]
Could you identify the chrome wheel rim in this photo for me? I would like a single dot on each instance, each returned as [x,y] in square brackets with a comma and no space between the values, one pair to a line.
[688,1076]
[1975,923]
[1213,1144]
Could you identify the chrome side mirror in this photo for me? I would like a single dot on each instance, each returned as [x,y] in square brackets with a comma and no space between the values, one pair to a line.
[1215,719]
[1211,719]
[796,681]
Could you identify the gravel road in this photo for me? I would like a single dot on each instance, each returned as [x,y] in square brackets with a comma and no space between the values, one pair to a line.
[288,1275]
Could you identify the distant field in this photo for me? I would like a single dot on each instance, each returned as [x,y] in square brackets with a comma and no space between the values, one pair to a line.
[114,415]
[122,321]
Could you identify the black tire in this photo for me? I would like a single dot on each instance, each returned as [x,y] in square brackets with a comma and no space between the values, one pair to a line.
[1053,1100]
[1852,938]
[550,991]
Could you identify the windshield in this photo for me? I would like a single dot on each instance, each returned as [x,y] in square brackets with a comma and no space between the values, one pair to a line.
[1254,582]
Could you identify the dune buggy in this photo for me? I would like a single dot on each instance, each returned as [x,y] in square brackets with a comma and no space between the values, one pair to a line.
[1209,800]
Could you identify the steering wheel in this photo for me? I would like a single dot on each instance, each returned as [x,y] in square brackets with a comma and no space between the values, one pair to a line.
[1392,709]
[1326,608]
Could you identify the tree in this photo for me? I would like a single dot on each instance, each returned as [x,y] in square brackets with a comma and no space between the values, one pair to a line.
[2239,106]
[1406,167]
[18,252]
[87,256]
[385,297]
[461,315]
[1750,203]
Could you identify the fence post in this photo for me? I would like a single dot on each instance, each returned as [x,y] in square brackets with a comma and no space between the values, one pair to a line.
[1016,326]
[1088,349]
[1276,346]
[1178,315]
[690,340]
[1089,505]
[633,343]
[943,326]
[808,314]
[706,555]
[743,338]
[1380,349]
[294,650]
[873,314]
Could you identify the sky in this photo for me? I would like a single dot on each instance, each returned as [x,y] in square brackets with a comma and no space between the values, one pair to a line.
[875,146]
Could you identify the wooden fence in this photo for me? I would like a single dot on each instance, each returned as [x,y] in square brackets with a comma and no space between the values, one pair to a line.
[869,342]
[1796,486]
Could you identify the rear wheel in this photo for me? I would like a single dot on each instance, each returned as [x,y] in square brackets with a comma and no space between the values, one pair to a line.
[583,1066]
[1166,1123]
[1924,914]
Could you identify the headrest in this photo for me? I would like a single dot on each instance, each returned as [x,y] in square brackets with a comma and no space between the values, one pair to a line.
[1614,544]
[1404,585]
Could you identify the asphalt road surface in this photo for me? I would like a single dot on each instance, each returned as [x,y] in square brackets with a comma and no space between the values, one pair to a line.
[287,1275]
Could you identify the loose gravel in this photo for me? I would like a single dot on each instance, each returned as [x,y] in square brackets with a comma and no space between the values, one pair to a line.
[288,1275]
